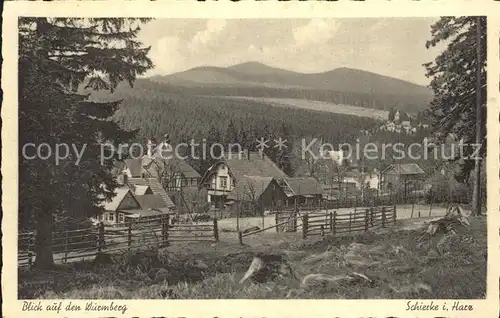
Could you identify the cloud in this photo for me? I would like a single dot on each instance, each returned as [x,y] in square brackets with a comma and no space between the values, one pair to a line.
[212,30]
[314,32]
[166,54]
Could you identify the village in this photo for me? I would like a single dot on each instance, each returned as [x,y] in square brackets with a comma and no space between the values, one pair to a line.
[246,184]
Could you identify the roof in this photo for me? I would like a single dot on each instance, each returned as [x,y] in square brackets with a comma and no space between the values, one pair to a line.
[135,166]
[114,204]
[302,186]
[250,188]
[155,187]
[150,201]
[141,190]
[152,166]
[253,165]
[405,169]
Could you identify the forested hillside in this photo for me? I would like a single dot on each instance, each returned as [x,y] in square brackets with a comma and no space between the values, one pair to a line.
[343,85]
[186,117]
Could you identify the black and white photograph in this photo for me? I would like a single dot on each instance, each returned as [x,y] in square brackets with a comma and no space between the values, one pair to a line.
[265,158]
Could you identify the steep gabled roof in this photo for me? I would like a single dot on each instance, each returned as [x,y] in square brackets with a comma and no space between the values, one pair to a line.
[253,165]
[150,201]
[303,186]
[405,169]
[250,188]
[153,166]
[141,189]
[135,166]
[155,187]
[120,194]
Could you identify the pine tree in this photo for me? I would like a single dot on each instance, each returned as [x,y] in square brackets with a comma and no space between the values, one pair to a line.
[284,154]
[454,77]
[213,151]
[57,57]
[231,136]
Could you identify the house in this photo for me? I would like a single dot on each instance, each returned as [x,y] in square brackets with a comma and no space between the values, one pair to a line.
[402,176]
[223,176]
[160,163]
[125,207]
[372,179]
[396,116]
[164,174]
[302,190]
[257,194]
[406,124]
[177,170]
[391,126]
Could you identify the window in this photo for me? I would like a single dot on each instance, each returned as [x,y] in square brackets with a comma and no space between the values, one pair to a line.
[121,217]
[223,182]
[111,216]
[183,182]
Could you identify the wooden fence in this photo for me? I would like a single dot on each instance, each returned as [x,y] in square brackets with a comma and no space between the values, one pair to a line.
[86,243]
[361,219]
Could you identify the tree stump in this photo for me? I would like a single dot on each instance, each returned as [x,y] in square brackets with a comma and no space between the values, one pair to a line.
[267,267]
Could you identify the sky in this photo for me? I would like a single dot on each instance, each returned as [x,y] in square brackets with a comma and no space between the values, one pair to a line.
[390,46]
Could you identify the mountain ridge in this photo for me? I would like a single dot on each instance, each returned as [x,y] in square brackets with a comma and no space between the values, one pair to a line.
[259,74]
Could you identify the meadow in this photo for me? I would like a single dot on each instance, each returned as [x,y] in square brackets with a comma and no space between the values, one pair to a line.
[317,106]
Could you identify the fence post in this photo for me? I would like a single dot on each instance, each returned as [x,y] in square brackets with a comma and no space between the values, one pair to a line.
[100,237]
[322,230]
[295,225]
[31,244]
[394,215]
[350,221]
[331,222]
[166,223]
[383,218]
[412,209]
[334,222]
[240,237]
[371,216]
[65,259]
[162,223]
[430,207]
[276,219]
[367,213]
[216,230]
[129,235]
[304,226]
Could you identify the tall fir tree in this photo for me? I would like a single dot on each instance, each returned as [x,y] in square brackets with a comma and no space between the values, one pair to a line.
[284,151]
[454,82]
[57,57]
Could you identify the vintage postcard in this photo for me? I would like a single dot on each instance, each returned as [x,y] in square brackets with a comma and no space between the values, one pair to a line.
[190,159]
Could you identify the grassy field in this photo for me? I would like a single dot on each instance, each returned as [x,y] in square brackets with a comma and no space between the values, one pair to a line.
[318,105]
[394,265]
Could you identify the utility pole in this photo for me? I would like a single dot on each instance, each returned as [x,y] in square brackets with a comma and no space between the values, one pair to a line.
[476,194]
